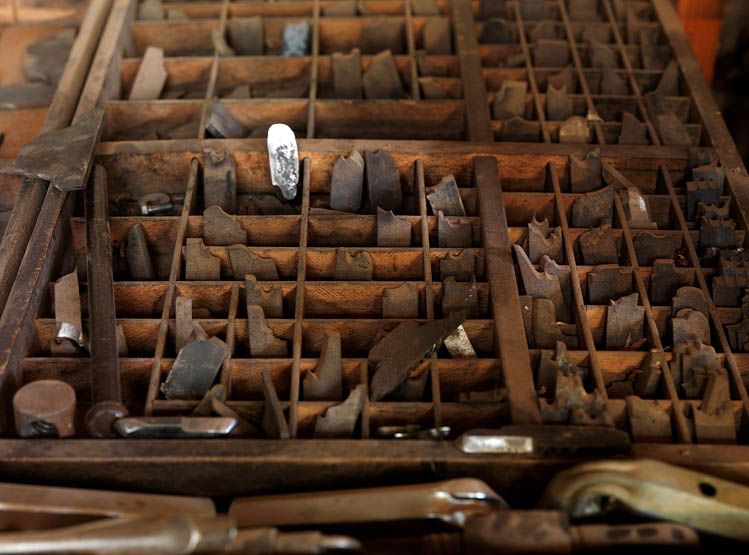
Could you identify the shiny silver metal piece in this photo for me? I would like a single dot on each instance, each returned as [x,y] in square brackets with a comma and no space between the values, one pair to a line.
[478,441]
[283,156]
[175,427]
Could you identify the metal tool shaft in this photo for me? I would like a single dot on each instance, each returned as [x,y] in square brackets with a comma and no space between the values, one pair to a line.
[106,392]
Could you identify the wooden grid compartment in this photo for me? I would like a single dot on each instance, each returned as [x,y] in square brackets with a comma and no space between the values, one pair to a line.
[159,146]
[608,59]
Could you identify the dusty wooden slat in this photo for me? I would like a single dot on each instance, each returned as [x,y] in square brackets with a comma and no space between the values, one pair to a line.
[474,89]
[508,320]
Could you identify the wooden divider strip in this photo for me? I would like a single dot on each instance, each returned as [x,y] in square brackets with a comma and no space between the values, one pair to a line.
[725,346]
[509,330]
[299,302]
[529,67]
[654,337]
[594,362]
[314,70]
[581,77]
[478,121]
[630,73]
[169,297]
[428,290]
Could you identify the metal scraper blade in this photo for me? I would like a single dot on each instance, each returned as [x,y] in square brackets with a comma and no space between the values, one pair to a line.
[283,155]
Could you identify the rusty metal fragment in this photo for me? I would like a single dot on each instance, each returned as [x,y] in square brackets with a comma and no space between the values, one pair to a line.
[205,407]
[246,35]
[572,404]
[426,67]
[558,103]
[710,170]
[534,10]
[352,266]
[689,297]
[599,245]
[296,39]
[339,421]
[244,262]
[185,328]
[195,369]
[593,208]
[608,281]
[391,230]
[347,182]
[151,76]
[453,232]
[267,296]
[714,421]
[693,364]
[200,264]
[690,325]
[648,421]
[738,333]
[624,322]
[666,279]
[520,130]
[549,367]
[509,100]
[585,172]
[222,229]
[150,10]
[564,78]
[612,83]
[45,59]
[458,344]
[650,372]
[540,284]
[563,273]
[459,296]
[404,348]
[263,344]
[68,316]
[223,124]
[668,85]
[651,246]
[412,389]
[461,266]
[63,157]
[633,132]
[601,56]
[383,181]
[670,128]
[498,31]
[274,421]
[219,180]
[325,383]
[401,301]
[547,330]
[445,197]
[551,53]
[544,241]
[717,233]
[526,310]
[138,258]
[381,79]
[636,208]
[705,192]
[574,130]
[436,36]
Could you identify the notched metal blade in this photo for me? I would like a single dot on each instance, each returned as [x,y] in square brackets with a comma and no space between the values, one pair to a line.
[63,157]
